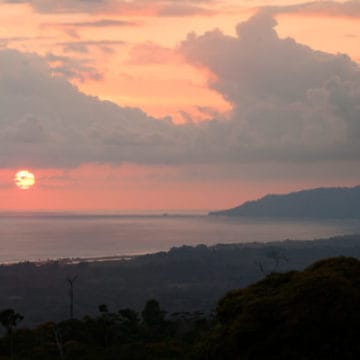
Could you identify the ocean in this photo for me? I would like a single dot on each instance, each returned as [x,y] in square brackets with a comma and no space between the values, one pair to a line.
[48,236]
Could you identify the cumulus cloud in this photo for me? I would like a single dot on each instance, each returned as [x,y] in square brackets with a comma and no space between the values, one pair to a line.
[290,104]
[289,101]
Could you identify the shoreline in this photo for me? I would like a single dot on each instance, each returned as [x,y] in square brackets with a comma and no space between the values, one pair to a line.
[76,260]
[344,240]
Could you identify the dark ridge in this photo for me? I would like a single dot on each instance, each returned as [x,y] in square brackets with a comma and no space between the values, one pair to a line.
[321,203]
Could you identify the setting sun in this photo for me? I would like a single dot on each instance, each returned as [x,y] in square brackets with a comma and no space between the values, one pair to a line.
[24,179]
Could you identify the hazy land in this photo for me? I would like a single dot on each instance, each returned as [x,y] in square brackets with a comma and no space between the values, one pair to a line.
[321,203]
[183,279]
[309,314]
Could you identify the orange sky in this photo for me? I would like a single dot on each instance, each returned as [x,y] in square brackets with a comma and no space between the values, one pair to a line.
[129,54]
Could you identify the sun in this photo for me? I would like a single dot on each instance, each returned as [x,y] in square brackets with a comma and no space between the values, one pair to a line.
[24,179]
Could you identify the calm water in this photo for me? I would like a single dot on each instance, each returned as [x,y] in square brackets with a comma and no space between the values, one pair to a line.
[51,236]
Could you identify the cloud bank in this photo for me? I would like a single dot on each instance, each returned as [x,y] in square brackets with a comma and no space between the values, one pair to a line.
[349,9]
[167,8]
[290,104]
[46,122]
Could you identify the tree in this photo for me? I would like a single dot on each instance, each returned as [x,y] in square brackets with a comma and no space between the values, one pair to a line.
[106,322]
[9,319]
[58,341]
[152,314]
[310,314]
[71,282]
[276,257]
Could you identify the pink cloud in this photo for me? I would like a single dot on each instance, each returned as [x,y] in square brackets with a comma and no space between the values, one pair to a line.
[151,53]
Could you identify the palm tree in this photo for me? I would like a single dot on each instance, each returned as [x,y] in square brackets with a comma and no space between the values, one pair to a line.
[9,319]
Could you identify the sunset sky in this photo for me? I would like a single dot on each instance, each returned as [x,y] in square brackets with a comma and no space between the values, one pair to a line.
[176,104]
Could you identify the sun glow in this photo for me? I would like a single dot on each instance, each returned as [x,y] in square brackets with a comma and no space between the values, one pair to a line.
[24,179]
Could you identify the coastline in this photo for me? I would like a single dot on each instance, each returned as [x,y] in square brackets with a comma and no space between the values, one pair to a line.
[345,240]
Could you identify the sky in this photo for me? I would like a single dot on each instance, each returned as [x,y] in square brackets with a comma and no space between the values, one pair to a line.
[176,104]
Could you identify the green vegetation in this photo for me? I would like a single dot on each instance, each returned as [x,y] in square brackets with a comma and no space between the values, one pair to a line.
[310,314]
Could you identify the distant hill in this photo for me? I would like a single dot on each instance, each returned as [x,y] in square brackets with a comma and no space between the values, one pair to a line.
[339,203]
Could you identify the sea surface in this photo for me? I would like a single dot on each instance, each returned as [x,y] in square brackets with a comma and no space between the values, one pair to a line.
[45,236]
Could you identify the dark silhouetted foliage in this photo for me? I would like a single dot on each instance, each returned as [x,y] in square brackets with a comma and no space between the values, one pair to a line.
[313,314]
[299,315]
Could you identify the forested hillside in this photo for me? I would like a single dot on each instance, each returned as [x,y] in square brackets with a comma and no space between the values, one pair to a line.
[321,203]
[312,314]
